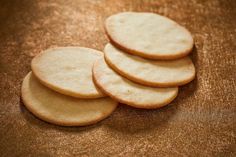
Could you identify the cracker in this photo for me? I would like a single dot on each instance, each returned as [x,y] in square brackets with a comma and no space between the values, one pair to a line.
[130,93]
[60,109]
[148,35]
[150,72]
[68,70]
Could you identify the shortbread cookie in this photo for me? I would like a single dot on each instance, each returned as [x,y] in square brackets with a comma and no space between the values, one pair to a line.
[130,93]
[148,35]
[68,70]
[150,72]
[60,109]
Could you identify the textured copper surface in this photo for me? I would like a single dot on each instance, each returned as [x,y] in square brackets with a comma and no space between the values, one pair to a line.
[200,122]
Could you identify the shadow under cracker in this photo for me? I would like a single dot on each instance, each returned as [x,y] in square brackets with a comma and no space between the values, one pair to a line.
[129,120]
[132,120]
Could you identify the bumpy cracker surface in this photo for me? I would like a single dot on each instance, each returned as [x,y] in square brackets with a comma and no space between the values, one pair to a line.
[150,72]
[149,35]
[68,70]
[130,93]
[60,109]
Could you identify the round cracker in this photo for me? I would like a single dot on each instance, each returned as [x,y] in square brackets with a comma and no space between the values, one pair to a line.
[130,93]
[60,109]
[150,72]
[148,35]
[68,70]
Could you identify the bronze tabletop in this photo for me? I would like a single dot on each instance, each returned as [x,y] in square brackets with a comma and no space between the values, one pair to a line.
[200,122]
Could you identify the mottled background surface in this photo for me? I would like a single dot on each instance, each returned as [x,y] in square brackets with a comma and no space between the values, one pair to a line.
[200,122]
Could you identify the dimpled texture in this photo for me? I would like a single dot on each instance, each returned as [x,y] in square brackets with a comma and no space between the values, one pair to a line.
[149,35]
[150,72]
[68,70]
[129,92]
[63,110]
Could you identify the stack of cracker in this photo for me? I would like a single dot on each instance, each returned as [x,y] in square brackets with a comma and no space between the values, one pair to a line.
[60,89]
[142,66]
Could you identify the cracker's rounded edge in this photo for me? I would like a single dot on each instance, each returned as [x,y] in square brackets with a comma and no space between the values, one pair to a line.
[64,91]
[148,56]
[60,90]
[147,83]
[154,106]
[55,122]
[69,47]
